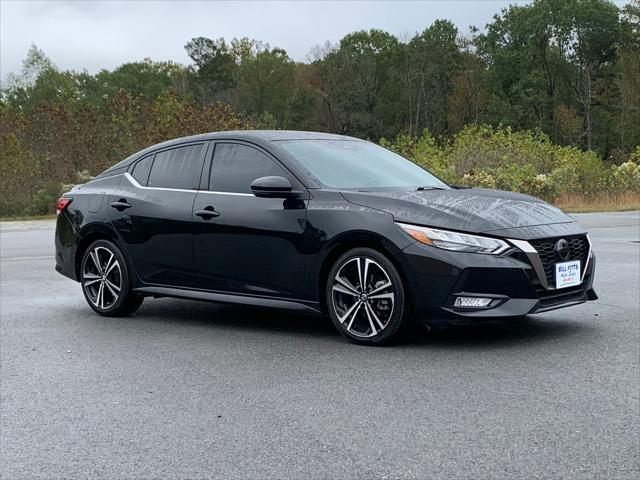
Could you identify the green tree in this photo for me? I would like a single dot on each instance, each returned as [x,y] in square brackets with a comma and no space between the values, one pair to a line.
[591,46]
[35,62]
[628,79]
[526,65]
[467,102]
[356,82]
[265,81]
[146,78]
[552,53]
[215,64]
[432,59]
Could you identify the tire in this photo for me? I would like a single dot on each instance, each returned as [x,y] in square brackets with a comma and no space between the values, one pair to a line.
[376,315]
[105,281]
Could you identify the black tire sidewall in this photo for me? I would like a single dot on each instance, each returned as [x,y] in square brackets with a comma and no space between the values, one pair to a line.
[120,307]
[398,319]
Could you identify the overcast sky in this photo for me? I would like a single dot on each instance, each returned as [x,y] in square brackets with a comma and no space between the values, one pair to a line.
[91,35]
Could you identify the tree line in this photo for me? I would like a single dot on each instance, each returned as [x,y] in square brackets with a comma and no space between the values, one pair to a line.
[568,69]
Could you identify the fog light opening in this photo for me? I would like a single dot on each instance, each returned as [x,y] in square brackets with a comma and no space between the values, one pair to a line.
[472,302]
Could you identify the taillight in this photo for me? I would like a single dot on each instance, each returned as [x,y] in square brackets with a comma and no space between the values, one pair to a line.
[62,203]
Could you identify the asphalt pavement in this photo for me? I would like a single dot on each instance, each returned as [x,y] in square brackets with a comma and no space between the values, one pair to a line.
[198,390]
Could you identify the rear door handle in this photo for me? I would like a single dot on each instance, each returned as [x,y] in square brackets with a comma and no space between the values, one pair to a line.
[120,205]
[207,213]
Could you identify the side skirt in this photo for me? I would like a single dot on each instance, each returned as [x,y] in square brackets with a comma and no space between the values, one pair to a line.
[226,298]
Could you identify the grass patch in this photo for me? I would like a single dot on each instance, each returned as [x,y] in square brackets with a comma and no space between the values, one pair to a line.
[606,203]
[19,218]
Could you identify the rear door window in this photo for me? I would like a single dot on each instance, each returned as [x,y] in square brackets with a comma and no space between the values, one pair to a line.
[177,168]
[236,166]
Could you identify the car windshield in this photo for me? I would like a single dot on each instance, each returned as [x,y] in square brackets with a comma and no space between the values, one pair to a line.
[353,164]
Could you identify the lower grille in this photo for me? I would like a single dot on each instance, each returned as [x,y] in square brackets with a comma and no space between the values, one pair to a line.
[546,248]
[550,298]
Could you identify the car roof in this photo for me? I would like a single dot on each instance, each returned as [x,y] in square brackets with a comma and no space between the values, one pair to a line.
[280,135]
[260,137]
[263,135]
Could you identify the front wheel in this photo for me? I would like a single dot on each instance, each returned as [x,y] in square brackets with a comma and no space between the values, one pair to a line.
[105,280]
[365,297]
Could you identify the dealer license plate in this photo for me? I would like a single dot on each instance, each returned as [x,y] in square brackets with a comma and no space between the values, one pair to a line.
[568,274]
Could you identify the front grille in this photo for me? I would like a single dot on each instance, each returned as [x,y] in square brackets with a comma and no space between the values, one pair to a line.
[578,248]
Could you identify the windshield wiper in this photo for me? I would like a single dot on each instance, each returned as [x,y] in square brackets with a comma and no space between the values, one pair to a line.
[420,189]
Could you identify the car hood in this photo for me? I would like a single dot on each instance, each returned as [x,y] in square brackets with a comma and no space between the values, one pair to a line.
[468,210]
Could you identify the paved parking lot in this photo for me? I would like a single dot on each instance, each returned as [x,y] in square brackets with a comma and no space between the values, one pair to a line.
[195,390]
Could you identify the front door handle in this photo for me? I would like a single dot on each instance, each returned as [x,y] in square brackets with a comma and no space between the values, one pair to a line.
[120,205]
[207,213]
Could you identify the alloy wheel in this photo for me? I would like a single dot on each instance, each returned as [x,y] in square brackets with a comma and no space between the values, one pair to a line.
[363,297]
[102,277]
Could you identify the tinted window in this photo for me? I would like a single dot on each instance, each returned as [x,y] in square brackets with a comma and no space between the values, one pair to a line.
[141,170]
[177,168]
[357,164]
[235,166]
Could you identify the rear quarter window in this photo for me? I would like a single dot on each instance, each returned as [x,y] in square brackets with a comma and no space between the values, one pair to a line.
[141,170]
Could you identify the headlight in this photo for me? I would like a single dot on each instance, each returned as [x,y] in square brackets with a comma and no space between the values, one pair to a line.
[459,242]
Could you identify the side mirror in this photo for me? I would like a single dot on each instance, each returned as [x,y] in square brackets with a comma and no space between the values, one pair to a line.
[272,187]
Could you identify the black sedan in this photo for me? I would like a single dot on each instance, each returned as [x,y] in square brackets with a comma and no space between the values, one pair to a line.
[315,222]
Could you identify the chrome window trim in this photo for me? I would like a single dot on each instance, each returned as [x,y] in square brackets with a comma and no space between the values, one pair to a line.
[536,263]
[237,194]
[135,183]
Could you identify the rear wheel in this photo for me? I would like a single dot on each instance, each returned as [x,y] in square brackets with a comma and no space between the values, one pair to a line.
[365,297]
[105,280]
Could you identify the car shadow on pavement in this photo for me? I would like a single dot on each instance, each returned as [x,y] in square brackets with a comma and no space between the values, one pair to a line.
[485,333]
[235,317]
[500,333]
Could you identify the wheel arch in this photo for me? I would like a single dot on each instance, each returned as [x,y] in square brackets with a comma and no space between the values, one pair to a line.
[361,239]
[90,234]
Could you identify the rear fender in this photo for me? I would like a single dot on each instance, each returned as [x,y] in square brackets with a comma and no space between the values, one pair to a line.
[101,231]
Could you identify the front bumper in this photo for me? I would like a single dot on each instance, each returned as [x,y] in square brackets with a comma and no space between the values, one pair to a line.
[436,277]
